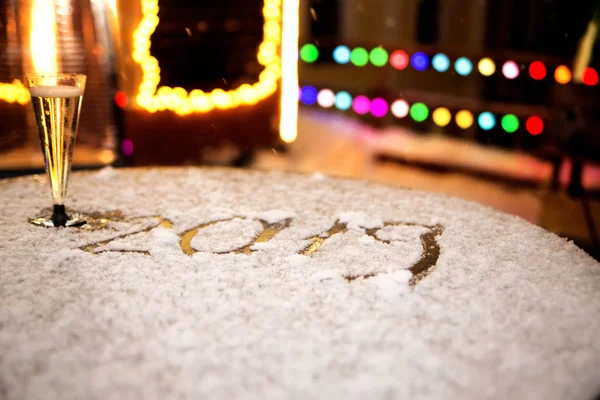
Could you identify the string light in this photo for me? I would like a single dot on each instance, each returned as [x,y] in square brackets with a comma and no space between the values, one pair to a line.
[361,105]
[326,98]
[463,66]
[441,116]
[464,119]
[419,61]
[486,121]
[379,107]
[399,59]
[378,57]
[309,53]
[179,101]
[486,66]
[562,74]
[590,77]
[534,125]
[400,108]
[510,70]
[440,62]
[359,57]
[341,55]
[537,70]
[14,92]
[343,101]
[510,123]
[419,112]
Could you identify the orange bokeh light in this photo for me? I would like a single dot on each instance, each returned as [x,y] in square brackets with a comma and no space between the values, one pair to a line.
[563,75]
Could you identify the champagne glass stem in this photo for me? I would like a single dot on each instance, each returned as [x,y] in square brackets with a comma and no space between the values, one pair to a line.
[59,215]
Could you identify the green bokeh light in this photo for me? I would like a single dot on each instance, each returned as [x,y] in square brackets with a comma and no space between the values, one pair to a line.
[378,57]
[419,112]
[510,123]
[309,53]
[359,57]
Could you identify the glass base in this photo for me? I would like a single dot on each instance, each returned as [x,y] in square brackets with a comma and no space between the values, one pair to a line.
[59,218]
[48,223]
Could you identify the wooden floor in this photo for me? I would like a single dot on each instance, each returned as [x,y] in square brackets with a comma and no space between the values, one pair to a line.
[339,146]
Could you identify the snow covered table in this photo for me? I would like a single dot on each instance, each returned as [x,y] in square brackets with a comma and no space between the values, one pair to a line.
[216,283]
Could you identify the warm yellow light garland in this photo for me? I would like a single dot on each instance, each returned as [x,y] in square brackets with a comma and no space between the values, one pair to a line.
[182,102]
[14,92]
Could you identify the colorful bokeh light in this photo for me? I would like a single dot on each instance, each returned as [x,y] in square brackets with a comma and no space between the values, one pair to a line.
[361,105]
[419,61]
[441,116]
[309,53]
[359,57]
[510,123]
[419,112]
[534,125]
[127,147]
[486,66]
[400,108]
[308,95]
[379,107]
[562,74]
[440,62]
[121,99]
[341,55]
[378,57]
[590,77]
[510,70]
[464,119]
[343,101]
[486,121]
[399,59]
[463,66]
[537,70]
[326,98]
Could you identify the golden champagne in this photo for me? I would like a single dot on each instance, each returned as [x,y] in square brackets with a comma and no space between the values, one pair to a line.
[57,115]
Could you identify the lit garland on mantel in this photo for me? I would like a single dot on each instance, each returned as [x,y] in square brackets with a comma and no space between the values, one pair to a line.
[14,92]
[178,99]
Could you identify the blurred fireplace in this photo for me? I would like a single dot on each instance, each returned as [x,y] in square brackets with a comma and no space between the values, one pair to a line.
[200,53]
[47,36]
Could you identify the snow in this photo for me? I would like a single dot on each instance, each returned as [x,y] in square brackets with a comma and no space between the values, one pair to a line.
[226,236]
[262,246]
[166,237]
[392,284]
[509,310]
[106,174]
[359,220]
[318,176]
[275,216]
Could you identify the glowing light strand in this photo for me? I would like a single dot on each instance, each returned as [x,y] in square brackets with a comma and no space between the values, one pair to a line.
[399,59]
[151,98]
[288,116]
[419,112]
[14,92]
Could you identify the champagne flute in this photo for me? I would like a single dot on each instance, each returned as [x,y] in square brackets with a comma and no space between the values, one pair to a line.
[56,100]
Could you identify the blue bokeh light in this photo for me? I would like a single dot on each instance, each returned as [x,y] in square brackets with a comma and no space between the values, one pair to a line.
[463,66]
[486,120]
[341,55]
[440,62]
[419,61]
[343,101]
[309,95]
